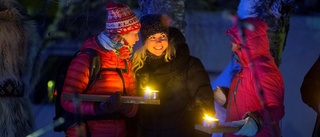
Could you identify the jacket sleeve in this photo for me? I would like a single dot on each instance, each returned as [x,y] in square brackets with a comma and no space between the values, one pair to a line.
[310,88]
[199,87]
[76,81]
[271,94]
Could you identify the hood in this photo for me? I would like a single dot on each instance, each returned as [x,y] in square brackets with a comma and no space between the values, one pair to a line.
[254,41]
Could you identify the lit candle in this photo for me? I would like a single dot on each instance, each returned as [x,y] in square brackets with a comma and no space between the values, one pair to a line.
[210,121]
[150,94]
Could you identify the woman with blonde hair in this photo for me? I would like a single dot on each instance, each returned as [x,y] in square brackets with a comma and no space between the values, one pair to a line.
[164,63]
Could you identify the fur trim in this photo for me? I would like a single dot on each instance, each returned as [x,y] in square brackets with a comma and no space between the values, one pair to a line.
[16,117]
[19,45]
[7,16]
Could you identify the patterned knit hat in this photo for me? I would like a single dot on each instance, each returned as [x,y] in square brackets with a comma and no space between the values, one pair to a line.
[121,19]
[152,24]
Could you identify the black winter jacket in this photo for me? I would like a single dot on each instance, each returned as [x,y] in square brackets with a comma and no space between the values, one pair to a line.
[310,92]
[184,90]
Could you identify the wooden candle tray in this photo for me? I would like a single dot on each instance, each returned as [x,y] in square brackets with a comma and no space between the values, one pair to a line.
[217,129]
[100,98]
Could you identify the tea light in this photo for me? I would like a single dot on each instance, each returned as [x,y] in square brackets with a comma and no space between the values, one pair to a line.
[150,94]
[210,121]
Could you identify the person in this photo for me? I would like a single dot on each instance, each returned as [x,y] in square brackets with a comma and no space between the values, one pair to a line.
[114,46]
[164,63]
[310,90]
[19,48]
[255,98]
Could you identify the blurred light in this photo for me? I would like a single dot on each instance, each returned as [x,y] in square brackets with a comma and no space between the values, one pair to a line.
[50,90]
[50,83]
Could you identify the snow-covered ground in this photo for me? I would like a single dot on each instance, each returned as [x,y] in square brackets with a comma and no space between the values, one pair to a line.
[43,114]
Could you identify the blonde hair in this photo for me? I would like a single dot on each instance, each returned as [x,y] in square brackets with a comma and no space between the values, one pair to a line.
[140,56]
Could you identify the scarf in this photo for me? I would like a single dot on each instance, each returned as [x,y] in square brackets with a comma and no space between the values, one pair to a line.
[121,47]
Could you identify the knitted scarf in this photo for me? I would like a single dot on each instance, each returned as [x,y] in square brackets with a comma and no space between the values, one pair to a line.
[121,47]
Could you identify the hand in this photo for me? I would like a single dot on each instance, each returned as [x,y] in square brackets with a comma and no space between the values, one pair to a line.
[111,105]
[249,127]
[219,95]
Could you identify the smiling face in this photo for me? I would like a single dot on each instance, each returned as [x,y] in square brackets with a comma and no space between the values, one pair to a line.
[157,43]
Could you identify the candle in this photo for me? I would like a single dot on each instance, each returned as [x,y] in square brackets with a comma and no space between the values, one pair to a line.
[210,121]
[150,94]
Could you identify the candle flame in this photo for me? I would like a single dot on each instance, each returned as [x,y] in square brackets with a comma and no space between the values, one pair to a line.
[210,118]
[148,89]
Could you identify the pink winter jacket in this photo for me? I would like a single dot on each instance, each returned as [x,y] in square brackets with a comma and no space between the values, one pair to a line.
[108,83]
[259,71]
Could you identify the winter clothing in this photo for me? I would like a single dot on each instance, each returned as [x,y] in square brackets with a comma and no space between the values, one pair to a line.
[19,48]
[111,105]
[259,80]
[184,90]
[151,25]
[221,84]
[107,119]
[249,126]
[121,48]
[310,90]
[108,83]
[121,19]
[223,81]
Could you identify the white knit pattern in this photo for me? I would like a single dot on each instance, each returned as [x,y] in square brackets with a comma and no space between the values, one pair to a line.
[121,20]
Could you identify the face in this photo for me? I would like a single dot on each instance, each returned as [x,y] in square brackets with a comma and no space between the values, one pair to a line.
[131,37]
[235,47]
[157,43]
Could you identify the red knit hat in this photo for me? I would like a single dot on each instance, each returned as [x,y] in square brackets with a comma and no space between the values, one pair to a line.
[121,19]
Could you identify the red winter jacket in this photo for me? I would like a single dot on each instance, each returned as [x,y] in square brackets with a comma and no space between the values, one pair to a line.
[108,83]
[258,71]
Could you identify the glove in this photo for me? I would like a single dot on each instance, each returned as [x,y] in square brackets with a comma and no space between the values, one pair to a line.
[219,95]
[249,127]
[111,105]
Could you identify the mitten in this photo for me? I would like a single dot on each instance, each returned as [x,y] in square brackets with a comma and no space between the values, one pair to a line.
[112,104]
[219,95]
[249,127]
